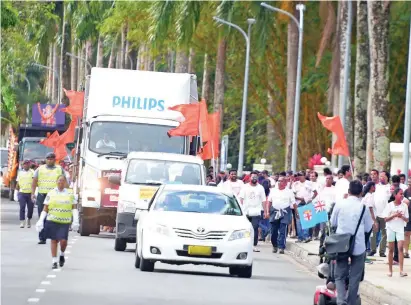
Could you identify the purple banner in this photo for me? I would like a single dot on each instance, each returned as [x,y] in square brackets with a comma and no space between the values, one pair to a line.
[48,115]
[109,192]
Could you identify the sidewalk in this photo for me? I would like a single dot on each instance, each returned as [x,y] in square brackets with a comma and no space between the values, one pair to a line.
[377,286]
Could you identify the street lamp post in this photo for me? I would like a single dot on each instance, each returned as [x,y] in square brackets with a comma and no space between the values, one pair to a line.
[245,90]
[407,119]
[300,25]
[56,75]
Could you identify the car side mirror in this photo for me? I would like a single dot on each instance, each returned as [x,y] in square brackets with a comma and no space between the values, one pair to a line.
[116,180]
[139,214]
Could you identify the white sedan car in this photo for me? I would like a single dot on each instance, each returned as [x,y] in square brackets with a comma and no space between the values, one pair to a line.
[191,224]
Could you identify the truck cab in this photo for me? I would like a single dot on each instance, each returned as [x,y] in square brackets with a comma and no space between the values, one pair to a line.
[144,172]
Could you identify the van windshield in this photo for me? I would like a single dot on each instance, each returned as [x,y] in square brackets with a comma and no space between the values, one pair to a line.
[125,137]
[168,172]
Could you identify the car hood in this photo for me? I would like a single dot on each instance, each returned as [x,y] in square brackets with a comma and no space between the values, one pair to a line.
[192,221]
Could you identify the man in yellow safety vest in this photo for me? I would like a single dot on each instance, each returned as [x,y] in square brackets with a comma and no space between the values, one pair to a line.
[24,181]
[45,178]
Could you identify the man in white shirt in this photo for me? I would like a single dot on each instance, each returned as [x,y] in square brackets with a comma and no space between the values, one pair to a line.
[278,209]
[252,198]
[106,142]
[302,190]
[381,196]
[326,196]
[232,184]
[342,185]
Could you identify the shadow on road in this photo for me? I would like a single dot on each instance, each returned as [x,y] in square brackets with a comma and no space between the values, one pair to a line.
[191,272]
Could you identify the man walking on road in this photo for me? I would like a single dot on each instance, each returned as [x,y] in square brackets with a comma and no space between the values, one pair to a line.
[381,196]
[232,184]
[278,210]
[345,217]
[341,186]
[45,177]
[252,197]
[302,190]
[24,181]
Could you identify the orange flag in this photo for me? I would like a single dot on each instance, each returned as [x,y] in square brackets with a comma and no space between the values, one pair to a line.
[211,150]
[334,125]
[189,127]
[52,140]
[205,132]
[75,108]
[68,135]
[60,152]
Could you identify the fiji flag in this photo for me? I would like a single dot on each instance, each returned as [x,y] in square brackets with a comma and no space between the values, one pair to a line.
[312,214]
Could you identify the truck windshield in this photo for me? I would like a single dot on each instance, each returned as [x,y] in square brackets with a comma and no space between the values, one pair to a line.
[35,151]
[158,171]
[126,137]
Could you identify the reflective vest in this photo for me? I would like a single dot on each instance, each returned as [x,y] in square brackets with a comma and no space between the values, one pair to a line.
[25,181]
[47,178]
[60,205]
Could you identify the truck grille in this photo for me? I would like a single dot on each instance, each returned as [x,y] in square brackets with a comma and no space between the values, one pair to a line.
[211,235]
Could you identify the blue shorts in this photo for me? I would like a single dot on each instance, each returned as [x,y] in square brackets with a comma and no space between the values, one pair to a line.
[56,231]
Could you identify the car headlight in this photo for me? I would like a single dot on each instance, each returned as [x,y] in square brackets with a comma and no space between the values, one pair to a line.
[240,234]
[125,206]
[160,229]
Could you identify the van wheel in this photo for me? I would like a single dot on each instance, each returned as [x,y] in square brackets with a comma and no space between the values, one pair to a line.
[146,266]
[120,244]
[245,272]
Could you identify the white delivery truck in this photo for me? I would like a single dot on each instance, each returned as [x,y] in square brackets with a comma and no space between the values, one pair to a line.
[143,173]
[124,111]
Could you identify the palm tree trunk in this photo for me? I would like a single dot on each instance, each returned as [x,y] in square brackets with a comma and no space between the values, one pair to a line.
[219,80]
[205,89]
[292,53]
[100,52]
[50,73]
[74,64]
[127,52]
[148,62]
[362,77]
[123,47]
[170,61]
[65,70]
[273,149]
[112,58]
[191,61]
[80,69]
[131,59]
[378,21]
[89,55]
[56,72]
[181,61]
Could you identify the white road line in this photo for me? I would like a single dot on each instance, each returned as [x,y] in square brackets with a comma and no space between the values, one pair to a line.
[51,276]
[56,270]
[69,246]
[41,290]
[33,300]
[67,252]
[45,283]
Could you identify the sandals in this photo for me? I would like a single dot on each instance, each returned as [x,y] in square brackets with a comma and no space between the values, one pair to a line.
[389,274]
[406,255]
[403,274]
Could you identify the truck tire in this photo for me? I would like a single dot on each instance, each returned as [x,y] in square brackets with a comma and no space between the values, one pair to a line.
[120,244]
[11,194]
[137,260]
[84,228]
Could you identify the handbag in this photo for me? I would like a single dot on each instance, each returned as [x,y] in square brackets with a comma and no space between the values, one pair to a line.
[340,246]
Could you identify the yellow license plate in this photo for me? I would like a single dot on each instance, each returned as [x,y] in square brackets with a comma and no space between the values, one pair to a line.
[146,193]
[199,250]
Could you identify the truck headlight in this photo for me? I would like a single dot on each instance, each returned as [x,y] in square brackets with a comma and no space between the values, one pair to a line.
[159,229]
[240,234]
[94,184]
[125,206]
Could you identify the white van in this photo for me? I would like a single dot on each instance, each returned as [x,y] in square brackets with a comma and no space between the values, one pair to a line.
[141,176]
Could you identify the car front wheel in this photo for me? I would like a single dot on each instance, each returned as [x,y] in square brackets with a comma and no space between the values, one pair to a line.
[146,265]
[245,272]
[137,260]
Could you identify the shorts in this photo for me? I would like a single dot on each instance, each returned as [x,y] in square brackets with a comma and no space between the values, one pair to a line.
[56,231]
[392,235]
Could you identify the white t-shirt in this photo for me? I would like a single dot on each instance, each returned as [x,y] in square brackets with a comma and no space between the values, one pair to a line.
[234,187]
[397,224]
[368,201]
[253,199]
[302,190]
[281,199]
[327,195]
[403,186]
[381,196]
[341,188]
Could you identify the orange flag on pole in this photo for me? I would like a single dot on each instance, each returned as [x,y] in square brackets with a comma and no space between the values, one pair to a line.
[205,132]
[211,150]
[75,108]
[52,140]
[334,125]
[189,127]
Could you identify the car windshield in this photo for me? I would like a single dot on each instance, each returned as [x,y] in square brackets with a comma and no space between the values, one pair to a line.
[142,171]
[197,202]
[124,137]
[35,151]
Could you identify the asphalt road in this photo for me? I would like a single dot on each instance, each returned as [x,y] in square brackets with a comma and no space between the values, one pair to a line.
[95,274]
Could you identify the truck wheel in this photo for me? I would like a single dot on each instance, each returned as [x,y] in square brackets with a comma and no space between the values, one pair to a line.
[84,228]
[96,227]
[245,272]
[146,266]
[11,195]
[120,244]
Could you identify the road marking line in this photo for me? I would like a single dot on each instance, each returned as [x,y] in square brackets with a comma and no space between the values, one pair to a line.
[33,300]
[69,246]
[56,270]
[41,290]
[45,283]
[51,276]
[67,252]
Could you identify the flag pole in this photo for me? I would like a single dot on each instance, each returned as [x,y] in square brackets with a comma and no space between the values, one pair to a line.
[351,168]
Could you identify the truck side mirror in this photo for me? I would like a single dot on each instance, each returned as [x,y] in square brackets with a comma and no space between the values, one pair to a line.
[116,180]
